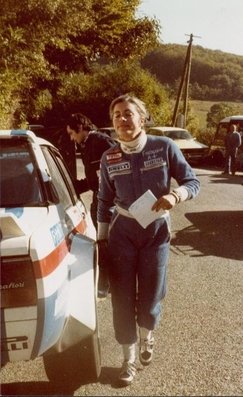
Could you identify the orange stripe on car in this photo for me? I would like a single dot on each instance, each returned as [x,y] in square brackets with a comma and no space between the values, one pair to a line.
[47,265]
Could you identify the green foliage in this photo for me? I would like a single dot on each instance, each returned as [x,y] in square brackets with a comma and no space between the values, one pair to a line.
[92,93]
[9,100]
[215,113]
[42,43]
[205,136]
[219,111]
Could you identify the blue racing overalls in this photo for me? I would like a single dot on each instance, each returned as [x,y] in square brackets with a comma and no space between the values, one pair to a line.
[138,257]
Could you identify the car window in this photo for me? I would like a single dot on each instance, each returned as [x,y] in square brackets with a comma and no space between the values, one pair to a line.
[67,177]
[19,183]
[178,134]
[58,178]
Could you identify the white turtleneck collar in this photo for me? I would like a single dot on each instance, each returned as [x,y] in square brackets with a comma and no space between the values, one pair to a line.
[134,146]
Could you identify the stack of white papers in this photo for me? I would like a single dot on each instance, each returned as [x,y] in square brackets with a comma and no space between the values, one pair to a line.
[141,209]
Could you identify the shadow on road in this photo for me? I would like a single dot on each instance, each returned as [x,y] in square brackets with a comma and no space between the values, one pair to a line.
[229,179]
[108,376]
[33,389]
[213,233]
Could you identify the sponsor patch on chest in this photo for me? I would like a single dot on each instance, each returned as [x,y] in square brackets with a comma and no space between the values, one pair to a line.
[113,157]
[154,162]
[119,168]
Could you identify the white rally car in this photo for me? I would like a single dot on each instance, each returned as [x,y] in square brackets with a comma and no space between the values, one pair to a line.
[48,262]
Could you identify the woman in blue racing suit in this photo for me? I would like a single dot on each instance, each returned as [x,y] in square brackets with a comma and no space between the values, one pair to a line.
[137,255]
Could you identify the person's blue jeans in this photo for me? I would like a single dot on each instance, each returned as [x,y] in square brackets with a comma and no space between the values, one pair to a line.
[137,272]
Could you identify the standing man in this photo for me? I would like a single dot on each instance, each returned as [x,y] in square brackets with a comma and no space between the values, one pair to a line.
[232,143]
[92,145]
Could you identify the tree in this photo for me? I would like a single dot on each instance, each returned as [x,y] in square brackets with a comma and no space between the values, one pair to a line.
[43,40]
[92,93]
[218,112]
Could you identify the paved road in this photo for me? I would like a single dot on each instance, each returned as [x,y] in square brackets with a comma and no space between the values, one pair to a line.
[199,340]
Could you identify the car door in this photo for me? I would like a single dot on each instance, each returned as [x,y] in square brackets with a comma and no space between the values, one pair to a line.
[71,209]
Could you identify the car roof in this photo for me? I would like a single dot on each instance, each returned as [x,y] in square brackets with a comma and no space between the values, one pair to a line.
[106,129]
[231,118]
[165,128]
[30,135]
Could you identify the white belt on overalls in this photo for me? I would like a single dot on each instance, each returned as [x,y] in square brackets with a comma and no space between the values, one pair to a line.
[124,212]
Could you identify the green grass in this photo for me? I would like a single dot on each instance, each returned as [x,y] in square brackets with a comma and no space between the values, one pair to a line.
[201,108]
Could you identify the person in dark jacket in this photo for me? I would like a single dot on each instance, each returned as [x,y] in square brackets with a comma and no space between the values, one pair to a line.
[91,144]
[232,144]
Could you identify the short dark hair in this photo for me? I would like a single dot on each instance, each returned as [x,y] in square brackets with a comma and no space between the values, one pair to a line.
[76,120]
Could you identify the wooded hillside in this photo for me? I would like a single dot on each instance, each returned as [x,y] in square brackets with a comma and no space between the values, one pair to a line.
[215,75]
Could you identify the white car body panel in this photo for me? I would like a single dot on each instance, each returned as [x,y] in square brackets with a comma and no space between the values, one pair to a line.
[82,278]
[60,245]
[183,144]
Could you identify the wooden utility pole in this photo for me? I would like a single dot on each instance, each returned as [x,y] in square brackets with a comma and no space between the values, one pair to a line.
[185,79]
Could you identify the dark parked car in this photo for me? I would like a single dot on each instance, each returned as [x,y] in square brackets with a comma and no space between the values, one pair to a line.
[217,148]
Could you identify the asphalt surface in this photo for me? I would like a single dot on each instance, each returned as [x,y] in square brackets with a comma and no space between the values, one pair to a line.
[199,342]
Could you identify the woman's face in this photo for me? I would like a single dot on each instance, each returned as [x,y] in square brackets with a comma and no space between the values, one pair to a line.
[127,121]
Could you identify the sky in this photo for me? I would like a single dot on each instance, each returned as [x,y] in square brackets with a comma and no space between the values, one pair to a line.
[219,23]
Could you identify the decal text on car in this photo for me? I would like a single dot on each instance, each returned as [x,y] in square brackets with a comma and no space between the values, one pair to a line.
[14,343]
